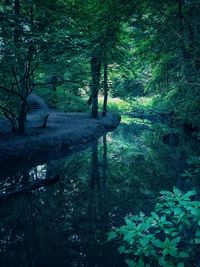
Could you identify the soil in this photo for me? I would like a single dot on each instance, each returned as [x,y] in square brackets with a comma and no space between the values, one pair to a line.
[64,132]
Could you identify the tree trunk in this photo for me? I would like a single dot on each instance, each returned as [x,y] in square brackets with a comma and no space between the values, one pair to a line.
[185,54]
[54,82]
[96,73]
[104,164]
[105,88]
[192,41]
[22,117]
[95,173]
[44,123]
[17,23]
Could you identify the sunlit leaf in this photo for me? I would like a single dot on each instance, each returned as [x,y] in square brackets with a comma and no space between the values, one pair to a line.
[130,263]
[112,235]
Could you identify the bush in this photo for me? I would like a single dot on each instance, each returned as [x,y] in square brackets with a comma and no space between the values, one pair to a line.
[170,236]
[72,103]
[63,100]
[183,102]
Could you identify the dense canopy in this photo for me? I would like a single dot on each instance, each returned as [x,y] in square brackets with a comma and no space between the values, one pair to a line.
[68,51]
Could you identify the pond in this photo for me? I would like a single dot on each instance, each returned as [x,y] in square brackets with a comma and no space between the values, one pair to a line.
[66,223]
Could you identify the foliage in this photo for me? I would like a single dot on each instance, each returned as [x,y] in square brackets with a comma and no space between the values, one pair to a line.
[169,236]
[116,105]
[193,170]
[63,99]
[182,103]
[71,103]
[127,88]
[147,48]
[163,57]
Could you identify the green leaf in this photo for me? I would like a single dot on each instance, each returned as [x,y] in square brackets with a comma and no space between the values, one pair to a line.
[141,263]
[166,193]
[175,234]
[197,240]
[157,243]
[180,264]
[163,218]
[172,251]
[191,193]
[121,249]
[183,254]
[162,261]
[130,223]
[129,237]
[129,251]
[123,229]
[112,235]
[177,239]
[144,242]
[142,214]
[168,231]
[176,191]
[155,215]
[165,252]
[198,233]
[130,263]
[178,211]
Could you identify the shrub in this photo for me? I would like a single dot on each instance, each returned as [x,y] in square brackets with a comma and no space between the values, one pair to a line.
[170,236]
[64,101]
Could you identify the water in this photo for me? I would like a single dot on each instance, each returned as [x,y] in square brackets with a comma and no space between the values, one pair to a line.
[66,224]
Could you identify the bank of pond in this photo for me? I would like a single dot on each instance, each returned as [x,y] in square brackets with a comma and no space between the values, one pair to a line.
[74,221]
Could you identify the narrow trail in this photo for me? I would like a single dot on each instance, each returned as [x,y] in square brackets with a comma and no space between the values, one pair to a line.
[37,103]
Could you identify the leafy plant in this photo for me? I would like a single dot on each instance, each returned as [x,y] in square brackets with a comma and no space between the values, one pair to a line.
[193,170]
[170,236]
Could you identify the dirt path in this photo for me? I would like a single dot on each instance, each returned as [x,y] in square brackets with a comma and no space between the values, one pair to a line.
[64,132]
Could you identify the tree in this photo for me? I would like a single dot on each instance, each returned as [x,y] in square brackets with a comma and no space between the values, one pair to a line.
[16,60]
[164,55]
[100,24]
[27,43]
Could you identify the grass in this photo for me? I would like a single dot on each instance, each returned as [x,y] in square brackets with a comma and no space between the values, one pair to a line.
[123,106]
[66,102]
[115,105]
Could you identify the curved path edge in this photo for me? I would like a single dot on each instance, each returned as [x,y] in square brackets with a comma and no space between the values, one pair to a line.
[65,132]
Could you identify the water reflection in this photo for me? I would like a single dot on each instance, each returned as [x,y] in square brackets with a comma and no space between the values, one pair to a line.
[65,224]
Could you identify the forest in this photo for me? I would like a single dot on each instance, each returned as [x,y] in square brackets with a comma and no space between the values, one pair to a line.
[99,133]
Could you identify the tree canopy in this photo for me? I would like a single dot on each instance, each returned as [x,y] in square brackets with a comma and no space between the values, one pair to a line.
[130,48]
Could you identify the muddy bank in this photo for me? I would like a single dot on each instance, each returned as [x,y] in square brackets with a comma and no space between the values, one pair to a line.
[65,132]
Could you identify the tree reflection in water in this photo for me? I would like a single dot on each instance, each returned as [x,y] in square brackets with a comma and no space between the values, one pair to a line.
[60,225]
[65,224]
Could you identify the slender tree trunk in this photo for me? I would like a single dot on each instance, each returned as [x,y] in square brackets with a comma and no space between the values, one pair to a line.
[23,60]
[96,73]
[105,88]
[54,82]
[95,173]
[192,42]
[16,36]
[104,165]
[17,23]
[22,117]
[185,54]
[191,32]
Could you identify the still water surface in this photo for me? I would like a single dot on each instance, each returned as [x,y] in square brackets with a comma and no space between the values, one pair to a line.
[66,224]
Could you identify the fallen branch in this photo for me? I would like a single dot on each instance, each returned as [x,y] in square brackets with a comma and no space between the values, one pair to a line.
[28,188]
